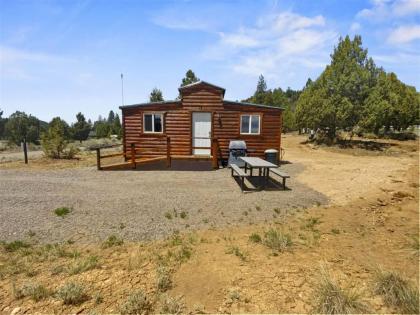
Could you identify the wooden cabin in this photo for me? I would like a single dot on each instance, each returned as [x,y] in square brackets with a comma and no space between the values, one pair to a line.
[199,125]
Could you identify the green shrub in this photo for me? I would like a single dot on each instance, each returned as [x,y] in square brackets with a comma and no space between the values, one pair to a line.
[55,141]
[183,215]
[172,305]
[276,240]
[36,291]
[330,298]
[397,291]
[62,211]
[137,303]
[72,294]
[163,280]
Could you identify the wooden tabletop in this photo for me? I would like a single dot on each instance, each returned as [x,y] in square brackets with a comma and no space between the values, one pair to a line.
[257,162]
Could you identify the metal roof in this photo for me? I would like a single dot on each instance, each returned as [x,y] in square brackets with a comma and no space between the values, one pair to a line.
[253,104]
[151,104]
[202,82]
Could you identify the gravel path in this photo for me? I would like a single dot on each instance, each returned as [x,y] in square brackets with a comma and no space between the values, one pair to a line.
[134,204]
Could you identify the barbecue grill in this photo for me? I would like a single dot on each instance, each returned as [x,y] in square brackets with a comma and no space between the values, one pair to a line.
[237,148]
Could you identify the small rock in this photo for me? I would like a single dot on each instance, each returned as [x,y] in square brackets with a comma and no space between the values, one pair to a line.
[15,311]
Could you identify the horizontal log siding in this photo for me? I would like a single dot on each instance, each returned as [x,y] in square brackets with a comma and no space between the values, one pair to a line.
[177,125]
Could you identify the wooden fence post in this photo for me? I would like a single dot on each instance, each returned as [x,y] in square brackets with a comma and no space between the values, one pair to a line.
[168,152]
[133,155]
[25,150]
[98,159]
[214,150]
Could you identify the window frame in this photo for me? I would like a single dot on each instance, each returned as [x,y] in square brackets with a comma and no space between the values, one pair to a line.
[250,133]
[153,122]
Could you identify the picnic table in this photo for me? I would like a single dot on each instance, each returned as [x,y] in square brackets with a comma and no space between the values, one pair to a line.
[263,167]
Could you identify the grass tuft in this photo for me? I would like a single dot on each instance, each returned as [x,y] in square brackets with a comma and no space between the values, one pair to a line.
[62,211]
[136,303]
[86,264]
[311,222]
[330,298]
[112,241]
[15,246]
[397,291]
[72,294]
[277,240]
[235,250]
[255,238]
[183,215]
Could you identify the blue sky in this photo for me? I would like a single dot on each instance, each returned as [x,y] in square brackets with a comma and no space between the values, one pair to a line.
[61,57]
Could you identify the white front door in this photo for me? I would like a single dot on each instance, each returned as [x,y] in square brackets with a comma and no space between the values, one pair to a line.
[201,133]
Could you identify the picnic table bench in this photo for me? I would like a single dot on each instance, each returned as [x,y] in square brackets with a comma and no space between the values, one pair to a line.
[264,168]
[240,173]
[283,175]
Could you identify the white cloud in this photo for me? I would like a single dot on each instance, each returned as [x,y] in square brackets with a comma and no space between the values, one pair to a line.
[404,34]
[187,23]
[277,46]
[385,9]
[354,27]
[12,55]
[238,40]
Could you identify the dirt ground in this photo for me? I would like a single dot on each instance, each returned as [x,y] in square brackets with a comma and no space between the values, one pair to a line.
[371,221]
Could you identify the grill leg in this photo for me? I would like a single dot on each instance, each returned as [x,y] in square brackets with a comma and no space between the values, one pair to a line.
[242,183]
[284,183]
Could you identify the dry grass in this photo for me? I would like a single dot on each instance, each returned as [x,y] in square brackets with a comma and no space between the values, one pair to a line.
[83,265]
[331,298]
[277,240]
[397,291]
[35,291]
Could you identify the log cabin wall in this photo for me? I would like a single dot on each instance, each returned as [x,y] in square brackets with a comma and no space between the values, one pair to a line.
[177,124]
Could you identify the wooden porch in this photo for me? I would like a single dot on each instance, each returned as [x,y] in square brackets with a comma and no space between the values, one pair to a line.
[134,157]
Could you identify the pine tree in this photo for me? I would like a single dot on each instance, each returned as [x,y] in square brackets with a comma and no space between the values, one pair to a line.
[190,77]
[81,128]
[156,95]
[260,95]
[336,99]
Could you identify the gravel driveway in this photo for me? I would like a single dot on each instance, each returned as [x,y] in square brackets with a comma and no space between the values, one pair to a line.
[137,205]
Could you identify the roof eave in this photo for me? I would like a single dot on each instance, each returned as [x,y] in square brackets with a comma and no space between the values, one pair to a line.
[254,104]
[149,104]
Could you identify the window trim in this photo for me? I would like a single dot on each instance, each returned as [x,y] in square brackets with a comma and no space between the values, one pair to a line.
[153,122]
[249,133]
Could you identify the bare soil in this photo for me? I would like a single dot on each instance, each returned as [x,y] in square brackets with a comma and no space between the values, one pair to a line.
[370,222]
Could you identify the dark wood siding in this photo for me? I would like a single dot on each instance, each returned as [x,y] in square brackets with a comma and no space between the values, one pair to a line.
[177,124]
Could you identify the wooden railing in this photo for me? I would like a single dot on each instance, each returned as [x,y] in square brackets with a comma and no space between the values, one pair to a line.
[133,160]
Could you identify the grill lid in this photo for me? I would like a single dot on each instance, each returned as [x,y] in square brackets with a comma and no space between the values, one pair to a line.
[237,144]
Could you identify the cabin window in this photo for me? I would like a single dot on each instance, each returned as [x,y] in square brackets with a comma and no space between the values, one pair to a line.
[250,124]
[153,122]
